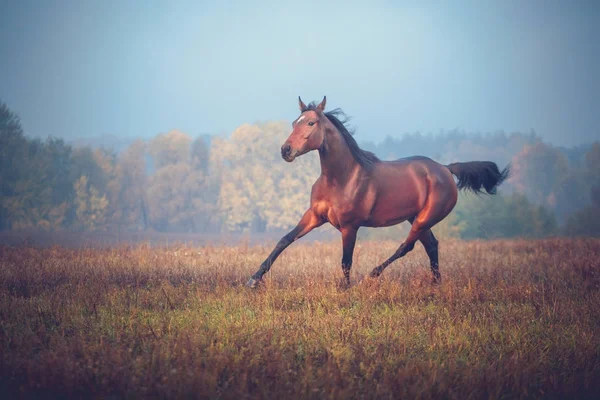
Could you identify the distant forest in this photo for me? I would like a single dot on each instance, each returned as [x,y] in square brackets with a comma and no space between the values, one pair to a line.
[178,183]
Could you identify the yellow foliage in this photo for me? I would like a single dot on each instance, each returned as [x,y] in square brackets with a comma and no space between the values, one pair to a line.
[258,189]
[90,207]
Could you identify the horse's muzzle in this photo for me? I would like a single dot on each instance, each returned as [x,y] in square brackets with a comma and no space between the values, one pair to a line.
[286,153]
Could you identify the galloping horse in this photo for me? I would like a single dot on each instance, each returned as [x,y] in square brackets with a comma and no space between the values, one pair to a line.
[357,189]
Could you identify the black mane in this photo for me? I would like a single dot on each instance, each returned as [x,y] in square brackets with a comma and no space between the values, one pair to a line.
[366,159]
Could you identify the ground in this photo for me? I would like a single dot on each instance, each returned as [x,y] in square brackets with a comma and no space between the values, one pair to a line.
[511,319]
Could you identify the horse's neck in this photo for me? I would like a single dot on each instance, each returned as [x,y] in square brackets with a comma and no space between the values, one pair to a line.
[337,162]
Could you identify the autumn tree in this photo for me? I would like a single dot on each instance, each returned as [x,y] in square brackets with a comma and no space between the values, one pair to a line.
[43,194]
[180,193]
[586,221]
[12,154]
[170,149]
[592,163]
[126,189]
[258,190]
[539,171]
[91,203]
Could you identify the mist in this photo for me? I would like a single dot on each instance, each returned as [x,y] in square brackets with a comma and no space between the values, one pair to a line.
[147,118]
[83,69]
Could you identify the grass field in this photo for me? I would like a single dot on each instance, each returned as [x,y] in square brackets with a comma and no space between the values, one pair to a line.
[512,319]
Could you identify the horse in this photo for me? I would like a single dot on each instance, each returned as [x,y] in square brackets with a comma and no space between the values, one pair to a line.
[357,189]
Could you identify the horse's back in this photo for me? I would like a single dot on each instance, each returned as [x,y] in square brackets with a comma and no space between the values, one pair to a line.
[411,158]
[421,165]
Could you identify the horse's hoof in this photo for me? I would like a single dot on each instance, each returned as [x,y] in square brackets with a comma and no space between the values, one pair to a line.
[374,274]
[253,283]
[343,284]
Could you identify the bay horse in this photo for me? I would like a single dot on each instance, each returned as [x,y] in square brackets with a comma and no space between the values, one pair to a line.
[357,189]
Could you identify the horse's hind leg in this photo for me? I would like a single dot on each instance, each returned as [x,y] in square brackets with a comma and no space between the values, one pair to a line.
[430,244]
[431,247]
[431,214]
[404,248]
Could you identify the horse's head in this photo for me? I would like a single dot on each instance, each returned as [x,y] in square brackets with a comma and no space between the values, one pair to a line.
[308,131]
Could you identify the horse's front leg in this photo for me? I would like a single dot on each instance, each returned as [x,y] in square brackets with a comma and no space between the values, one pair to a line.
[348,241]
[308,222]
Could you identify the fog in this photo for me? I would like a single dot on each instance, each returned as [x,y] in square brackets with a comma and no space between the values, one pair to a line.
[76,69]
[146,119]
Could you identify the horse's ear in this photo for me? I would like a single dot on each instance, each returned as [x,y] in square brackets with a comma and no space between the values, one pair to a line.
[301,104]
[321,105]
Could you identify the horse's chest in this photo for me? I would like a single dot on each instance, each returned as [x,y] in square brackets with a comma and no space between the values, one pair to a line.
[343,212]
[344,206]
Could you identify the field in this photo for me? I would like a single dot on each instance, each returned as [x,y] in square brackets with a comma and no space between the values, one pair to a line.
[512,319]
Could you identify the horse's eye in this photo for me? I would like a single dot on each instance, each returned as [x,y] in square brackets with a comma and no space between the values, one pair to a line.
[311,123]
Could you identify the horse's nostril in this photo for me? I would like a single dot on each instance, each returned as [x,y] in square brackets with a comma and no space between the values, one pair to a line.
[286,149]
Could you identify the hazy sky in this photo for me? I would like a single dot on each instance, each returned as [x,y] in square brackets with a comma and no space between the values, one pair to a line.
[137,68]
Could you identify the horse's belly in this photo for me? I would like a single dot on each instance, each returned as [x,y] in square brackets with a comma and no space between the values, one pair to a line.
[392,210]
[388,219]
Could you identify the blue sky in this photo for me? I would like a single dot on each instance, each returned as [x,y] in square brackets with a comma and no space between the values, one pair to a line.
[136,68]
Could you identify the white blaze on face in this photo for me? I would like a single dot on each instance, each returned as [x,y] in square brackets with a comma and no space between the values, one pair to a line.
[300,119]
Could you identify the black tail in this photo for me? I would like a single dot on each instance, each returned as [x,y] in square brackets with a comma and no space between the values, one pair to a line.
[477,174]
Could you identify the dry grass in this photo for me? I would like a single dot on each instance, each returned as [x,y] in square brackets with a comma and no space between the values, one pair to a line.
[511,319]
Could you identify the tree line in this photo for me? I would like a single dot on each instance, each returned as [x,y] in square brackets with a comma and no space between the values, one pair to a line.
[177,183]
